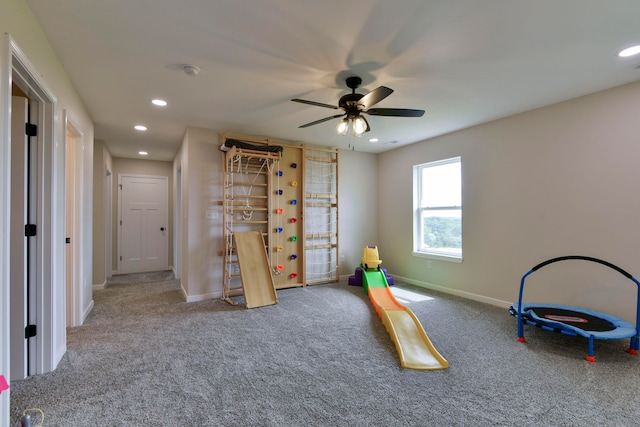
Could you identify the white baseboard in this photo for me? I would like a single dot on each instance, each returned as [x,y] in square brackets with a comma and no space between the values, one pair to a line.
[202,297]
[87,311]
[100,286]
[456,292]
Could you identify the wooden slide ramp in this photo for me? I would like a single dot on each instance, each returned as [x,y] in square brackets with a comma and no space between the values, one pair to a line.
[257,283]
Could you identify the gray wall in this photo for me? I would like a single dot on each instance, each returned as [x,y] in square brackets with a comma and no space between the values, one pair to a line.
[200,162]
[357,207]
[102,162]
[555,181]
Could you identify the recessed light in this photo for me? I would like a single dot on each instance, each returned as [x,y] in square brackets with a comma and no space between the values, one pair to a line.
[159,102]
[373,140]
[140,127]
[630,51]
[142,153]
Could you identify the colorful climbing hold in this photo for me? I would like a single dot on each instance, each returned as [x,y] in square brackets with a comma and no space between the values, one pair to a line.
[294,165]
[294,202]
[279,211]
[293,238]
[293,220]
[294,183]
[293,275]
[279,230]
[293,256]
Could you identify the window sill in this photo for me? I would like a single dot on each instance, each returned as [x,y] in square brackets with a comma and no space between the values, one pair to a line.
[439,257]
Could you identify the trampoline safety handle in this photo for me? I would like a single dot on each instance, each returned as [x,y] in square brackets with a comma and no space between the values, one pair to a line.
[585,258]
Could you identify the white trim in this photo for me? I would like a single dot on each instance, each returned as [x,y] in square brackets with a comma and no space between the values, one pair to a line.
[439,257]
[177,223]
[77,296]
[99,287]
[418,249]
[5,197]
[87,311]
[201,297]
[108,220]
[456,292]
[51,337]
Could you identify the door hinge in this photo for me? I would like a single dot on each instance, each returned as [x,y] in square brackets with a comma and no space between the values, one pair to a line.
[30,331]
[120,222]
[67,240]
[30,129]
[120,257]
[30,230]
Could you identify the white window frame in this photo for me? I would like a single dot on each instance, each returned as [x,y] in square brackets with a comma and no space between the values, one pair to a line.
[418,250]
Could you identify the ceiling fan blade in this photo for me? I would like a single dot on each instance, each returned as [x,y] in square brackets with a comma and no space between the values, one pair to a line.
[317,104]
[326,119]
[375,96]
[394,112]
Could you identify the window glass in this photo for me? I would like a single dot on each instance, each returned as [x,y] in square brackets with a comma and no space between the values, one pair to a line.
[438,209]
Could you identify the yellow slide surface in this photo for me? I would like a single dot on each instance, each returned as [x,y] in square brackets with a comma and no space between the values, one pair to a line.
[412,343]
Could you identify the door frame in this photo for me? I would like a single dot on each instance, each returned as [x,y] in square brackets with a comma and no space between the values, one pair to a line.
[74,219]
[108,222]
[177,226]
[51,334]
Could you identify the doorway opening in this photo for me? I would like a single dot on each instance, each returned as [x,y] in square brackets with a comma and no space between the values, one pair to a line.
[73,222]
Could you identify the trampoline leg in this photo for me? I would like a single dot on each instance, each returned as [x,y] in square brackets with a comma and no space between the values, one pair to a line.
[520,330]
[590,357]
[633,346]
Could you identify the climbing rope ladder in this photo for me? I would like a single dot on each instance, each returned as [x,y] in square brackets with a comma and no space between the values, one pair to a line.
[321,216]
[246,205]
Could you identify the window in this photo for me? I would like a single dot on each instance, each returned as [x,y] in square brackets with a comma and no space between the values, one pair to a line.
[438,210]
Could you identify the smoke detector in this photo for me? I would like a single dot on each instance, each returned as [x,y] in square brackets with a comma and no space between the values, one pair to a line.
[190,70]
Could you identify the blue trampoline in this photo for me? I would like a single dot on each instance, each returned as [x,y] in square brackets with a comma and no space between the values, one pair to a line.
[577,321]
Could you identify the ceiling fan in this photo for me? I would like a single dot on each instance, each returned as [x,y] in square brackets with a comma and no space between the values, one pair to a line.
[355,104]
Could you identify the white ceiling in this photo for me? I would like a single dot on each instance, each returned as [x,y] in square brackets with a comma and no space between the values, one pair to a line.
[463,61]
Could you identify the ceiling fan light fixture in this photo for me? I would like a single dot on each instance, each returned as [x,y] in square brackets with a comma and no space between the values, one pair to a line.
[359,126]
[343,127]
[354,105]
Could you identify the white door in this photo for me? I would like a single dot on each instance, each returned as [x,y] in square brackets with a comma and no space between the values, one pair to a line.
[23,250]
[143,223]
